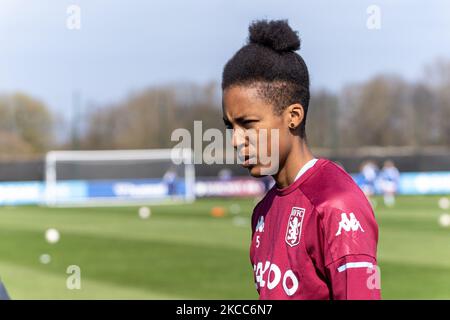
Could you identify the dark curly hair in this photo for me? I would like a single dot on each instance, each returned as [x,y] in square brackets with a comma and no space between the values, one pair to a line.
[269,62]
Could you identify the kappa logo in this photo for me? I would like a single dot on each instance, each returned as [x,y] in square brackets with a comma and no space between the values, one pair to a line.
[348,224]
[294,227]
[260,224]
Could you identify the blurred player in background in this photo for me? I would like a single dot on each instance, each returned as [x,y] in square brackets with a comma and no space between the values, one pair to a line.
[389,179]
[170,179]
[225,174]
[369,174]
[314,234]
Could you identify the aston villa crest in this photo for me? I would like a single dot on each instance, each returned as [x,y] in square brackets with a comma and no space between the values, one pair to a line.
[294,227]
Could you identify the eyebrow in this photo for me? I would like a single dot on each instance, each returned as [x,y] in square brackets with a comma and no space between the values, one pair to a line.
[238,119]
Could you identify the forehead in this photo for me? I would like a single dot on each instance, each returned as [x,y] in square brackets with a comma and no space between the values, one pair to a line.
[239,101]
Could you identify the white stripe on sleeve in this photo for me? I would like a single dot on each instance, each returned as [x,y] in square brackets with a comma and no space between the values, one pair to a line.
[351,265]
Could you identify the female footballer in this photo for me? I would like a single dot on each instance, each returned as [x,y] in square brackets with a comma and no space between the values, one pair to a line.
[314,234]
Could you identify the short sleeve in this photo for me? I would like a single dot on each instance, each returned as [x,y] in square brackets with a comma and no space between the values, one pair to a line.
[349,231]
[354,277]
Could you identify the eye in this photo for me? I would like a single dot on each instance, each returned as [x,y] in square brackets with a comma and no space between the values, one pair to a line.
[249,123]
[228,124]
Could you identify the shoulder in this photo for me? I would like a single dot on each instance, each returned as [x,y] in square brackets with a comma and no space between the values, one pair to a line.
[332,187]
[346,217]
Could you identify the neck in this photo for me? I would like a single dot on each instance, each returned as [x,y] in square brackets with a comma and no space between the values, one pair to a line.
[300,154]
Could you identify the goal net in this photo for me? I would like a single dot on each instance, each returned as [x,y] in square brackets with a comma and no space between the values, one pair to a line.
[118,177]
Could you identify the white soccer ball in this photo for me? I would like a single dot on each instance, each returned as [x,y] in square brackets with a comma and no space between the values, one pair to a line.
[45,258]
[52,235]
[444,220]
[444,203]
[144,212]
[240,222]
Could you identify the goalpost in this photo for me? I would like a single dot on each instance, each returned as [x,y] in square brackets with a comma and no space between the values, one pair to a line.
[119,177]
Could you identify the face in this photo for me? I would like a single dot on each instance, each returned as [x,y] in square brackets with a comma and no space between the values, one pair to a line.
[252,121]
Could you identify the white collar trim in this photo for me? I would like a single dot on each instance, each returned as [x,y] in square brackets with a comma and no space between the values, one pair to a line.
[305,168]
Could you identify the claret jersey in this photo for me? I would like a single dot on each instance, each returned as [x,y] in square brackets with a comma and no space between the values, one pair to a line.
[315,239]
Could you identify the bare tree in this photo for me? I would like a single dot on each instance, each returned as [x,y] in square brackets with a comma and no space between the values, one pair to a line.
[26,125]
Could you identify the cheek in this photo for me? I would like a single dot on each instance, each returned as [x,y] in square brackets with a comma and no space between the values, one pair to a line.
[261,143]
[278,138]
[283,144]
[273,142]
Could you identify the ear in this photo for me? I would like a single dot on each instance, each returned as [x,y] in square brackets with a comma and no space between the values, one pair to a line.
[295,115]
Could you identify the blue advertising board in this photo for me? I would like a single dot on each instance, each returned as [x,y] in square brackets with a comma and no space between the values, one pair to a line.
[34,192]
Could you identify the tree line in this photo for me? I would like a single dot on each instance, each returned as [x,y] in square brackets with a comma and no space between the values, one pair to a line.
[386,110]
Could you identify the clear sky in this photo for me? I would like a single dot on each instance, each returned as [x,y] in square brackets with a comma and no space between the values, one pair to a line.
[124,46]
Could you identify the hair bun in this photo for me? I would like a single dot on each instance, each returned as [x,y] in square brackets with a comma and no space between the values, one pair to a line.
[275,34]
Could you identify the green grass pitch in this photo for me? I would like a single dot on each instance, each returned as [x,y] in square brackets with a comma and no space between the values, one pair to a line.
[182,252]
